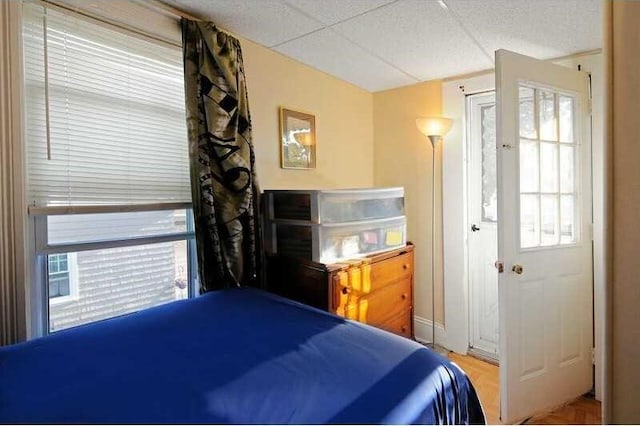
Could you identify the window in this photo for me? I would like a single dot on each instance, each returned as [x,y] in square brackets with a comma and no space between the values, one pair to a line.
[62,276]
[59,278]
[549,152]
[107,169]
[489,162]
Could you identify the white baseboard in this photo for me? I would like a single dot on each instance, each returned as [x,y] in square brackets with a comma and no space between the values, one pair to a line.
[423,331]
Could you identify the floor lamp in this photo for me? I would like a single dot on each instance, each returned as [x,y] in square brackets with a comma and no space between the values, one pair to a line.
[434,128]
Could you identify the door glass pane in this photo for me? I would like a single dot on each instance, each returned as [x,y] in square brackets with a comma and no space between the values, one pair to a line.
[529,221]
[489,183]
[529,166]
[550,220]
[566,113]
[547,108]
[567,168]
[568,222]
[548,167]
[527,113]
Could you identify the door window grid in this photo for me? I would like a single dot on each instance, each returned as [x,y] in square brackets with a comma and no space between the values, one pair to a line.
[548,166]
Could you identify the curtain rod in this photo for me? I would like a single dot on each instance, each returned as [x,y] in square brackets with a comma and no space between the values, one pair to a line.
[162,7]
[104,21]
[153,5]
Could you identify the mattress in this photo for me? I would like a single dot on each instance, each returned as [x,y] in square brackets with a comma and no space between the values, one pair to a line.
[232,356]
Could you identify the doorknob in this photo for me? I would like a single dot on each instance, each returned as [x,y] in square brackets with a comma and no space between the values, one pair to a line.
[499,266]
[474,228]
[517,269]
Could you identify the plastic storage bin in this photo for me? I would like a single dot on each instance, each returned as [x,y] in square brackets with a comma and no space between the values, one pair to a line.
[328,243]
[334,206]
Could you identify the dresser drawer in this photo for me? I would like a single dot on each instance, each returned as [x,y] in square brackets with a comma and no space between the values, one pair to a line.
[380,274]
[376,289]
[400,324]
[378,307]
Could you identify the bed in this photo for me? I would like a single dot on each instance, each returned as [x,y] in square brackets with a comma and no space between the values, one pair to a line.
[232,356]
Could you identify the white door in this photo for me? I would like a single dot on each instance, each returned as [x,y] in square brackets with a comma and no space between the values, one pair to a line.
[482,226]
[544,235]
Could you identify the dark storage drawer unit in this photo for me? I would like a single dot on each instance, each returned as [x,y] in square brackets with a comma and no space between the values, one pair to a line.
[334,206]
[330,226]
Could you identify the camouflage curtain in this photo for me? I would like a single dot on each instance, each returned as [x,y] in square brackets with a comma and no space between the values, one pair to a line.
[223,176]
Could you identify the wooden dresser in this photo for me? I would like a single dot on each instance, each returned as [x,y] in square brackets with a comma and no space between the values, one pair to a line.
[377,289]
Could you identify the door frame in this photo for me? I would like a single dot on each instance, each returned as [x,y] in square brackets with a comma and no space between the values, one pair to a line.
[475,155]
[454,204]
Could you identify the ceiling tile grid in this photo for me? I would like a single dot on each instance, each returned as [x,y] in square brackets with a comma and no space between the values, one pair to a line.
[267,22]
[543,28]
[417,36]
[383,44]
[331,53]
[330,12]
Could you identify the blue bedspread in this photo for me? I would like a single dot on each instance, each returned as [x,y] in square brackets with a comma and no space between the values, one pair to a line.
[234,356]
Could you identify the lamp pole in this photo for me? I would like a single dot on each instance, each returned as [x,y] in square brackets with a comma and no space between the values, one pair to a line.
[434,142]
[433,128]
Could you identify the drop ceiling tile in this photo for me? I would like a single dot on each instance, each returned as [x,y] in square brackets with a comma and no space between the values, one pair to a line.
[331,11]
[267,22]
[419,37]
[327,51]
[541,28]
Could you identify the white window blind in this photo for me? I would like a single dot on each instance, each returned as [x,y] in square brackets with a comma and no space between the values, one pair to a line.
[117,131]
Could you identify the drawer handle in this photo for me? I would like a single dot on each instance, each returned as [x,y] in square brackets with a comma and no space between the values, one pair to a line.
[404,296]
[405,266]
[345,290]
[404,328]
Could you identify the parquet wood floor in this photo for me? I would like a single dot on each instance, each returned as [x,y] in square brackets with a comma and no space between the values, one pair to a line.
[485,379]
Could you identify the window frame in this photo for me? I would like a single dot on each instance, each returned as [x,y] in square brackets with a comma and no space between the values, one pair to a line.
[35,217]
[42,249]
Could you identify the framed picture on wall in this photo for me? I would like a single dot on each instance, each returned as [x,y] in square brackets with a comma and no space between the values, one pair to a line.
[297,139]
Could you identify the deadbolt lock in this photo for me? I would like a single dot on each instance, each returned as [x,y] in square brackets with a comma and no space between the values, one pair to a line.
[517,269]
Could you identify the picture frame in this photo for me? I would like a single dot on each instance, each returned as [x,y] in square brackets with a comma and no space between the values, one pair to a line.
[297,139]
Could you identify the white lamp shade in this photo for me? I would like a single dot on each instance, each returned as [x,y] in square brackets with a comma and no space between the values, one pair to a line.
[434,126]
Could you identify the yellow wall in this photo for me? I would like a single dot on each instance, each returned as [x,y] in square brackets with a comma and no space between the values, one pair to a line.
[403,158]
[364,140]
[344,122]
[625,234]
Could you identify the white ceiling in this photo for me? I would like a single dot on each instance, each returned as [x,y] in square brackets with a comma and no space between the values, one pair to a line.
[383,44]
